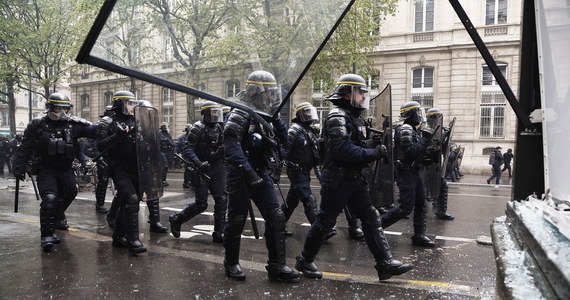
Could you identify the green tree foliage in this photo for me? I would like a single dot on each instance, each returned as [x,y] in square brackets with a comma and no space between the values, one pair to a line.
[354,38]
[43,36]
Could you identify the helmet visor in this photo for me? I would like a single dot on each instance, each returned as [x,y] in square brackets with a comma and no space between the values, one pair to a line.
[358,98]
[129,106]
[307,114]
[214,115]
[263,98]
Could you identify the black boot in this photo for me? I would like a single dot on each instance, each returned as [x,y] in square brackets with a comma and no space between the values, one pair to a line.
[275,242]
[386,265]
[61,223]
[119,228]
[309,269]
[47,222]
[63,204]
[220,207]
[186,214]
[154,217]
[354,232]
[232,241]
[131,216]
[422,240]
[442,204]
[100,193]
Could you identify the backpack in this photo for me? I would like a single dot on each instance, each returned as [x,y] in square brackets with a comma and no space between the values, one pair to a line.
[492,158]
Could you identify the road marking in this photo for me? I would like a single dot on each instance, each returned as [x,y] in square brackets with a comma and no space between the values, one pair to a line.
[260,267]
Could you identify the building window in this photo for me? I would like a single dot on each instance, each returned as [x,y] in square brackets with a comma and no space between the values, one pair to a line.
[496,12]
[108,97]
[168,48]
[322,107]
[84,101]
[374,81]
[5,118]
[232,88]
[424,15]
[138,93]
[493,105]
[167,97]
[168,114]
[422,86]
[317,86]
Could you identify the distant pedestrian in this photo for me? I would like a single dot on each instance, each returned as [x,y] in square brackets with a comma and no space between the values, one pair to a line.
[507,157]
[496,161]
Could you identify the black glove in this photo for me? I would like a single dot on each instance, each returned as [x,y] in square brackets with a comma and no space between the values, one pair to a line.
[427,133]
[251,178]
[275,176]
[204,166]
[380,151]
[19,173]
[377,139]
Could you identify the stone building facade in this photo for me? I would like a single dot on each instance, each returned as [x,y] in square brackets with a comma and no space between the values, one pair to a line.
[425,54]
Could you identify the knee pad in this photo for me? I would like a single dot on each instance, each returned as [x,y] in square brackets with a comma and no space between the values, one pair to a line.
[201,206]
[371,218]
[132,203]
[49,201]
[324,224]
[235,224]
[277,219]
[311,202]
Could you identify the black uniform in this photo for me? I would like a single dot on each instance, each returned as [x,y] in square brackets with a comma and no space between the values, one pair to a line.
[205,149]
[507,157]
[123,160]
[409,147]
[4,154]
[253,159]
[188,174]
[303,156]
[166,151]
[54,145]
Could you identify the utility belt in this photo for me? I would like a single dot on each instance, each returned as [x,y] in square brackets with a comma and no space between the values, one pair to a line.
[339,174]
[406,166]
[296,167]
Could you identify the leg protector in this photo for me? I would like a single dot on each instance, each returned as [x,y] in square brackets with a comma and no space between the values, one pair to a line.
[441,210]
[394,215]
[220,208]
[354,232]
[316,236]
[386,265]
[310,206]
[48,211]
[232,241]
[275,242]
[100,193]
[154,217]
[112,213]
[131,216]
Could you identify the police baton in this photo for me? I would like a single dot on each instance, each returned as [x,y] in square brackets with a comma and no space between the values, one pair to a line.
[189,166]
[250,207]
[35,186]
[17,195]
[283,198]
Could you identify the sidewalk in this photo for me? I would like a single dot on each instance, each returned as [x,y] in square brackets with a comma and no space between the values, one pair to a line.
[481,180]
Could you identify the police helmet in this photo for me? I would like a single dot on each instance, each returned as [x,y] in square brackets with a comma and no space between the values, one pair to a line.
[58,107]
[411,112]
[212,112]
[124,102]
[354,86]
[433,113]
[164,126]
[262,92]
[306,112]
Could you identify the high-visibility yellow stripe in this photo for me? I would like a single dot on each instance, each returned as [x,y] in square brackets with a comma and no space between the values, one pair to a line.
[59,101]
[302,107]
[130,97]
[350,82]
[261,82]
[404,109]
[210,106]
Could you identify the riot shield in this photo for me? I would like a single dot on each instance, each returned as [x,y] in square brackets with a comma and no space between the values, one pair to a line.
[460,156]
[148,152]
[382,185]
[447,140]
[432,172]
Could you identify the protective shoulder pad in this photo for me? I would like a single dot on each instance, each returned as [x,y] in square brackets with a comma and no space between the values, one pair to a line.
[405,134]
[75,119]
[336,125]
[196,132]
[237,121]
[294,131]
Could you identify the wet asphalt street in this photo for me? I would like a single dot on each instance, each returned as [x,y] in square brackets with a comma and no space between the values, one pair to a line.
[86,266]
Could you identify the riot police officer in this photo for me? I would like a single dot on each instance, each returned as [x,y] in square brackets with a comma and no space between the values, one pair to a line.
[54,140]
[409,148]
[302,156]
[103,173]
[441,201]
[205,149]
[166,150]
[252,155]
[180,144]
[118,141]
[343,182]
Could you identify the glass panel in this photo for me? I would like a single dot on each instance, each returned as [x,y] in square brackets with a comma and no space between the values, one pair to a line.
[490,12]
[417,78]
[485,127]
[419,21]
[429,15]
[498,121]
[502,13]
[217,39]
[428,77]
